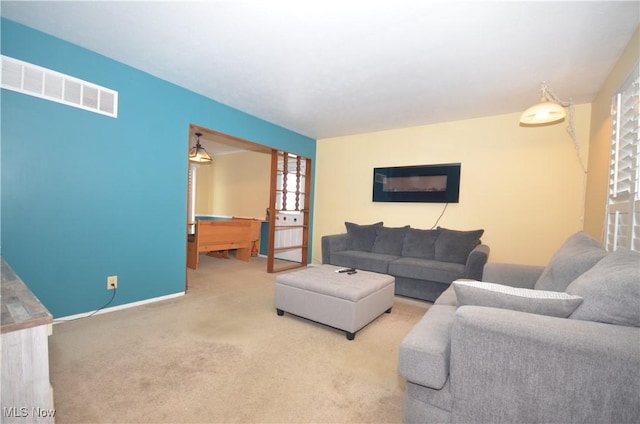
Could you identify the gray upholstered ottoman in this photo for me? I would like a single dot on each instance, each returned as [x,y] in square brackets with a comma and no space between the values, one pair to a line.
[341,300]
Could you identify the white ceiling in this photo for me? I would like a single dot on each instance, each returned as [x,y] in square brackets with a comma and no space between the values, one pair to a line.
[328,68]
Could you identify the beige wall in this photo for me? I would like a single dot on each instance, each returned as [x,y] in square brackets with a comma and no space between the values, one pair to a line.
[597,182]
[234,185]
[523,186]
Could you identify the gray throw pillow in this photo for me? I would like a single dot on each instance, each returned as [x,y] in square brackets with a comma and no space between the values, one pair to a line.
[578,254]
[550,303]
[389,240]
[611,290]
[420,243]
[455,246]
[361,237]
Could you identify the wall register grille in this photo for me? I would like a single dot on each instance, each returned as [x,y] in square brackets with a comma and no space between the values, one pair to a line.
[27,78]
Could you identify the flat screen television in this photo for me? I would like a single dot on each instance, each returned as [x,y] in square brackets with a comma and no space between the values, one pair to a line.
[420,183]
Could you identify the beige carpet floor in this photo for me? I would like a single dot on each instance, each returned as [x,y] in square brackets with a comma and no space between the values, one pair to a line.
[220,354]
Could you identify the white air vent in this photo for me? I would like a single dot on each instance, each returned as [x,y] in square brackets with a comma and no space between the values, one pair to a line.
[41,82]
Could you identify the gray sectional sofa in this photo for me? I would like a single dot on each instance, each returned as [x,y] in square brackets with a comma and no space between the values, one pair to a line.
[423,262]
[559,344]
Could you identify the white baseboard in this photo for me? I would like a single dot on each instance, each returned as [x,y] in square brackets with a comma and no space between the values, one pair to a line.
[116,308]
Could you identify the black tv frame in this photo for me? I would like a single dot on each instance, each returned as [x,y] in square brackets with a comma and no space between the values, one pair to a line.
[449,193]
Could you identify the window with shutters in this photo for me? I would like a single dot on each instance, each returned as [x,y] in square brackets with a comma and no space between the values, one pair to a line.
[622,227]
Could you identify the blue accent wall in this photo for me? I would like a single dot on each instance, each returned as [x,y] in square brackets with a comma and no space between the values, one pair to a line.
[85,196]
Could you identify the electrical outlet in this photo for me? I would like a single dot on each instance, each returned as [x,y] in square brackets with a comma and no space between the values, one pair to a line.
[112,282]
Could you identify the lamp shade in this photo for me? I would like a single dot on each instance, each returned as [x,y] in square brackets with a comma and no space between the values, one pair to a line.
[198,154]
[545,112]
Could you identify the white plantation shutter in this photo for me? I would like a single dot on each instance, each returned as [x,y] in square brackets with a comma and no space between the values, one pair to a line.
[623,206]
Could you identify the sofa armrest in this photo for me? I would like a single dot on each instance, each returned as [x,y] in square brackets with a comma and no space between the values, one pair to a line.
[509,366]
[476,261]
[424,352]
[514,275]
[332,243]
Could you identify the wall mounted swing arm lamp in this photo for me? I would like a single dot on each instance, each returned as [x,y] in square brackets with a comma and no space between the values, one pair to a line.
[551,110]
[198,154]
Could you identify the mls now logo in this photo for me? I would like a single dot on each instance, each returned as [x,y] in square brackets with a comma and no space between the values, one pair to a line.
[24,412]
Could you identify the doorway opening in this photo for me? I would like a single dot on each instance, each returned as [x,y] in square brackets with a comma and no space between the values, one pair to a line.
[240,184]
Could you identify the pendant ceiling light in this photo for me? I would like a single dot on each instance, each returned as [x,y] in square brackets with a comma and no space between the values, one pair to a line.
[549,110]
[198,154]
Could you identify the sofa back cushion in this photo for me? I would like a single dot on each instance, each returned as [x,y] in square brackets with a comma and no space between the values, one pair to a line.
[455,246]
[389,240]
[361,237]
[611,290]
[540,302]
[577,255]
[420,243]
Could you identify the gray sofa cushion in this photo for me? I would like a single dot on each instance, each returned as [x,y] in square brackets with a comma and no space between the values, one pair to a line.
[425,269]
[367,261]
[455,246]
[420,243]
[611,290]
[389,240]
[512,367]
[578,254]
[541,302]
[361,237]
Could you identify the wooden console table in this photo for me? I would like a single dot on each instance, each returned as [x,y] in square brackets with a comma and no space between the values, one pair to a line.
[27,395]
